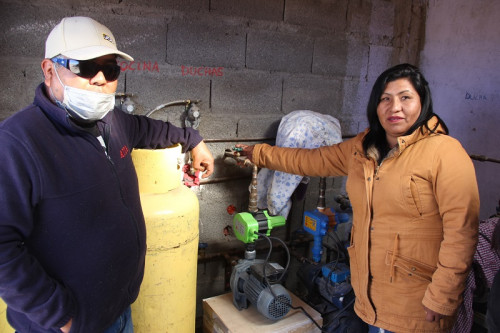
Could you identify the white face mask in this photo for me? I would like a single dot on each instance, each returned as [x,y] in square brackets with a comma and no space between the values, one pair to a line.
[85,105]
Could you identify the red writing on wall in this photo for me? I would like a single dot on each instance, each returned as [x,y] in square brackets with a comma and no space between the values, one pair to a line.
[139,66]
[201,71]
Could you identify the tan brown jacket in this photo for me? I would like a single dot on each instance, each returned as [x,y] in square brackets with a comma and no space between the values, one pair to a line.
[415,223]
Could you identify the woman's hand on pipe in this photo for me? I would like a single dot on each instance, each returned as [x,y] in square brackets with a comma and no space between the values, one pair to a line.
[247,151]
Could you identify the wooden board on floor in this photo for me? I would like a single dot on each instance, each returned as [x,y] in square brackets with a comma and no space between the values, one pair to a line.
[221,316]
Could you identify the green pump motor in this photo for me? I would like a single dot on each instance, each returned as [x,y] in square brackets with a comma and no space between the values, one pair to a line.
[246,225]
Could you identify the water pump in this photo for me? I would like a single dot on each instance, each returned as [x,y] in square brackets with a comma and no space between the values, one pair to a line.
[256,281]
[251,283]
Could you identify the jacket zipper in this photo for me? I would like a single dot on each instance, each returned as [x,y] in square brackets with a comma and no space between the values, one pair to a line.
[117,179]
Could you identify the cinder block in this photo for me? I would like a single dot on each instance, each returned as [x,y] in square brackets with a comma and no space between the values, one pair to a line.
[363,124]
[205,43]
[355,97]
[330,56]
[341,57]
[144,38]
[258,127]
[349,127]
[329,15]
[378,61]
[26,27]
[233,126]
[193,6]
[23,76]
[135,35]
[255,9]
[316,93]
[353,114]
[249,92]
[357,54]
[358,17]
[279,52]
[219,126]
[382,18]
[215,217]
[154,88]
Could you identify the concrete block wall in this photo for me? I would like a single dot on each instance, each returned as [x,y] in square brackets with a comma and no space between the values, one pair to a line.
[249,62]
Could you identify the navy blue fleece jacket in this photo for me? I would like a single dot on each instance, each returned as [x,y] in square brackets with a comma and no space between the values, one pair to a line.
[72,232]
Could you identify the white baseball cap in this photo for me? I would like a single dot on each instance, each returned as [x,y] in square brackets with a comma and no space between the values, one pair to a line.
[81,38]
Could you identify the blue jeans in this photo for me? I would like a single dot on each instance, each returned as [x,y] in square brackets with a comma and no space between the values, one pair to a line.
[123,324]
[375,329]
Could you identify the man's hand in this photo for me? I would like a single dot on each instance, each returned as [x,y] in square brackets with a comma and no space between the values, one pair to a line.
[67,327]
[431,315]
[202,159]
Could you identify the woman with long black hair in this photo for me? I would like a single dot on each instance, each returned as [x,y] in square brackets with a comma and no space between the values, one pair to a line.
[415,205]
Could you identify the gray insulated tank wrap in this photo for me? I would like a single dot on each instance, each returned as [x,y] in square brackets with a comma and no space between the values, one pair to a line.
[271,307]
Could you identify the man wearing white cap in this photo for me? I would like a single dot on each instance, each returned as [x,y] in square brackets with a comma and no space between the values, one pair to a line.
[72,233]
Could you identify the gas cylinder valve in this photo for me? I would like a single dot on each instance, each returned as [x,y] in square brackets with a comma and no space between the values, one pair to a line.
[192,115]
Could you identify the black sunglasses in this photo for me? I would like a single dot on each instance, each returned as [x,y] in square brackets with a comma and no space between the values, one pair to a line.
[89,68]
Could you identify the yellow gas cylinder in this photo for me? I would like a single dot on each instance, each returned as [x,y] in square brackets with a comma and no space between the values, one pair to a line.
[167,300]
[4,325]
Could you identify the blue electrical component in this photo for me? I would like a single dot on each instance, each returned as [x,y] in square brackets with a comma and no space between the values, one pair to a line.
[341,218]
[336,272]
[316,223]
[334,286]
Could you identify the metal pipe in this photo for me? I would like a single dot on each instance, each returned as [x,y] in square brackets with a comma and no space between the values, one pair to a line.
[239,253]
[321,197]
[222,179]
[252,201]
[238,140]
[254,139]
[186,101]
